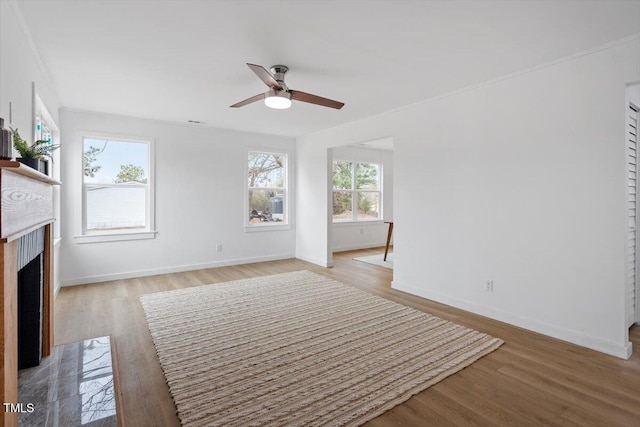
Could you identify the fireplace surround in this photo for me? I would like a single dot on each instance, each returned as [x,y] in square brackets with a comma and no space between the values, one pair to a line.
[26,206]
[30,287]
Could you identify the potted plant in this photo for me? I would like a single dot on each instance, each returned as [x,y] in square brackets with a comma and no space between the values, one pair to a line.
[33,155]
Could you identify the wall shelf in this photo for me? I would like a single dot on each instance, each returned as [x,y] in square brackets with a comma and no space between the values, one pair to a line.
[21,169]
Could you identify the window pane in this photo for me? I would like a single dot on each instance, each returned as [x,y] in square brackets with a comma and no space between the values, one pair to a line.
[116,208]
[368,205]
[266,170]
[342,175]
[266,206]
[108,162]
[367,176]
[342,206]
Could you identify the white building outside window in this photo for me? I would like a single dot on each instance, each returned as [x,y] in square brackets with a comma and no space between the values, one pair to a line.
[117,188]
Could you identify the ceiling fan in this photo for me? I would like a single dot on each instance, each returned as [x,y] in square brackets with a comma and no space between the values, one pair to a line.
[279,96]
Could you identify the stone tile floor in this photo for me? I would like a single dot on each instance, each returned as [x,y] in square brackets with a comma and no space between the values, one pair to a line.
[73,386]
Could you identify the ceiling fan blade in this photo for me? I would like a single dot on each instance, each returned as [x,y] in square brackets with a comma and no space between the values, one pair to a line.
[265,76]
[248,101]
[314,99]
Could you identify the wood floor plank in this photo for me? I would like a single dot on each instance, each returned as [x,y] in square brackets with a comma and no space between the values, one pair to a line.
[531,380]
[505,391]
[596,404]
[606,389]
[440,410]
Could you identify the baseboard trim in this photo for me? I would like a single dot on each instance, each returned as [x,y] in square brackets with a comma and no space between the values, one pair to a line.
[316,261]
[356,247]
[573,337]
[176,269]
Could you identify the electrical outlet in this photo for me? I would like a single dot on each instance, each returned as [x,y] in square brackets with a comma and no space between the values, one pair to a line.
[488,286]
[362,231]
[219,247]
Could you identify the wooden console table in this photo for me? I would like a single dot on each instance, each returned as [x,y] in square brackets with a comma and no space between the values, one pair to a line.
[26,204]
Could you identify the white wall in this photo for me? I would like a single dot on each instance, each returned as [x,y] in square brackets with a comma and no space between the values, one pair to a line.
[520,180]
[366,234]
[633,94]
[200,179]
[312,204]
[20,66]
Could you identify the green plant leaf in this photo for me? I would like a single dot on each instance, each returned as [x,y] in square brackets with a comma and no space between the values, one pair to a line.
[38,150]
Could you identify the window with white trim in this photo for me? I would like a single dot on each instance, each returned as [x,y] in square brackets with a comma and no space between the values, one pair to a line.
[267,185]
[357,194]
[117,186]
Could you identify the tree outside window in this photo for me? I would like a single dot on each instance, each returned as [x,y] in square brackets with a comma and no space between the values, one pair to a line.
[356,191]
[267,188]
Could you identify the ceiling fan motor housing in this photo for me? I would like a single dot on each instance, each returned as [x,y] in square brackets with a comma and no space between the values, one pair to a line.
[278,73]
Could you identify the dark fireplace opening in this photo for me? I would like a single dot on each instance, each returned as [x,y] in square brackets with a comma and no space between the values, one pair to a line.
[30,290]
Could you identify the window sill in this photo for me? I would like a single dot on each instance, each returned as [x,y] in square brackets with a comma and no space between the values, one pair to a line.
[357,223]
[258,228]
[115,237]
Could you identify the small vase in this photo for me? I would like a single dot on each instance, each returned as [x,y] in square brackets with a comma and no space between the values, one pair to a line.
[32,163]
[5,142]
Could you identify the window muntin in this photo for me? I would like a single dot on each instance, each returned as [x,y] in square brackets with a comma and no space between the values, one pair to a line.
[116,186]
[267,188]
[356,184]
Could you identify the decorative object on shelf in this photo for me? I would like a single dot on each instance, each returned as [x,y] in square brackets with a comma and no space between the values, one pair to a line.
[5,142]
[35,155]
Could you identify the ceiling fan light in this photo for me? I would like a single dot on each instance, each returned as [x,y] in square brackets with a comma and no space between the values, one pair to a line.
[279,101]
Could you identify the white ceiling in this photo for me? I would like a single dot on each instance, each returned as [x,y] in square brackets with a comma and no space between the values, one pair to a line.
[185,60]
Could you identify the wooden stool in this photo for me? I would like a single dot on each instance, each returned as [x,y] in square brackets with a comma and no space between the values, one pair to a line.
[386,249]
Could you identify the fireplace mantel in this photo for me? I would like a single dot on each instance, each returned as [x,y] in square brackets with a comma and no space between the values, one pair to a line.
[26,204]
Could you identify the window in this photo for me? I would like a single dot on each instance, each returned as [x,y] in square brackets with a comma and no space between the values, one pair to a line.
[266,189]
[356,191]
[46,129]
[117,188]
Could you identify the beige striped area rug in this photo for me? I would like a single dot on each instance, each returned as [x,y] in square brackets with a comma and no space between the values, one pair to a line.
[298,349]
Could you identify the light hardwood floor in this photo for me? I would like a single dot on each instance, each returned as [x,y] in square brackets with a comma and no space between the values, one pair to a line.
[531,380]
